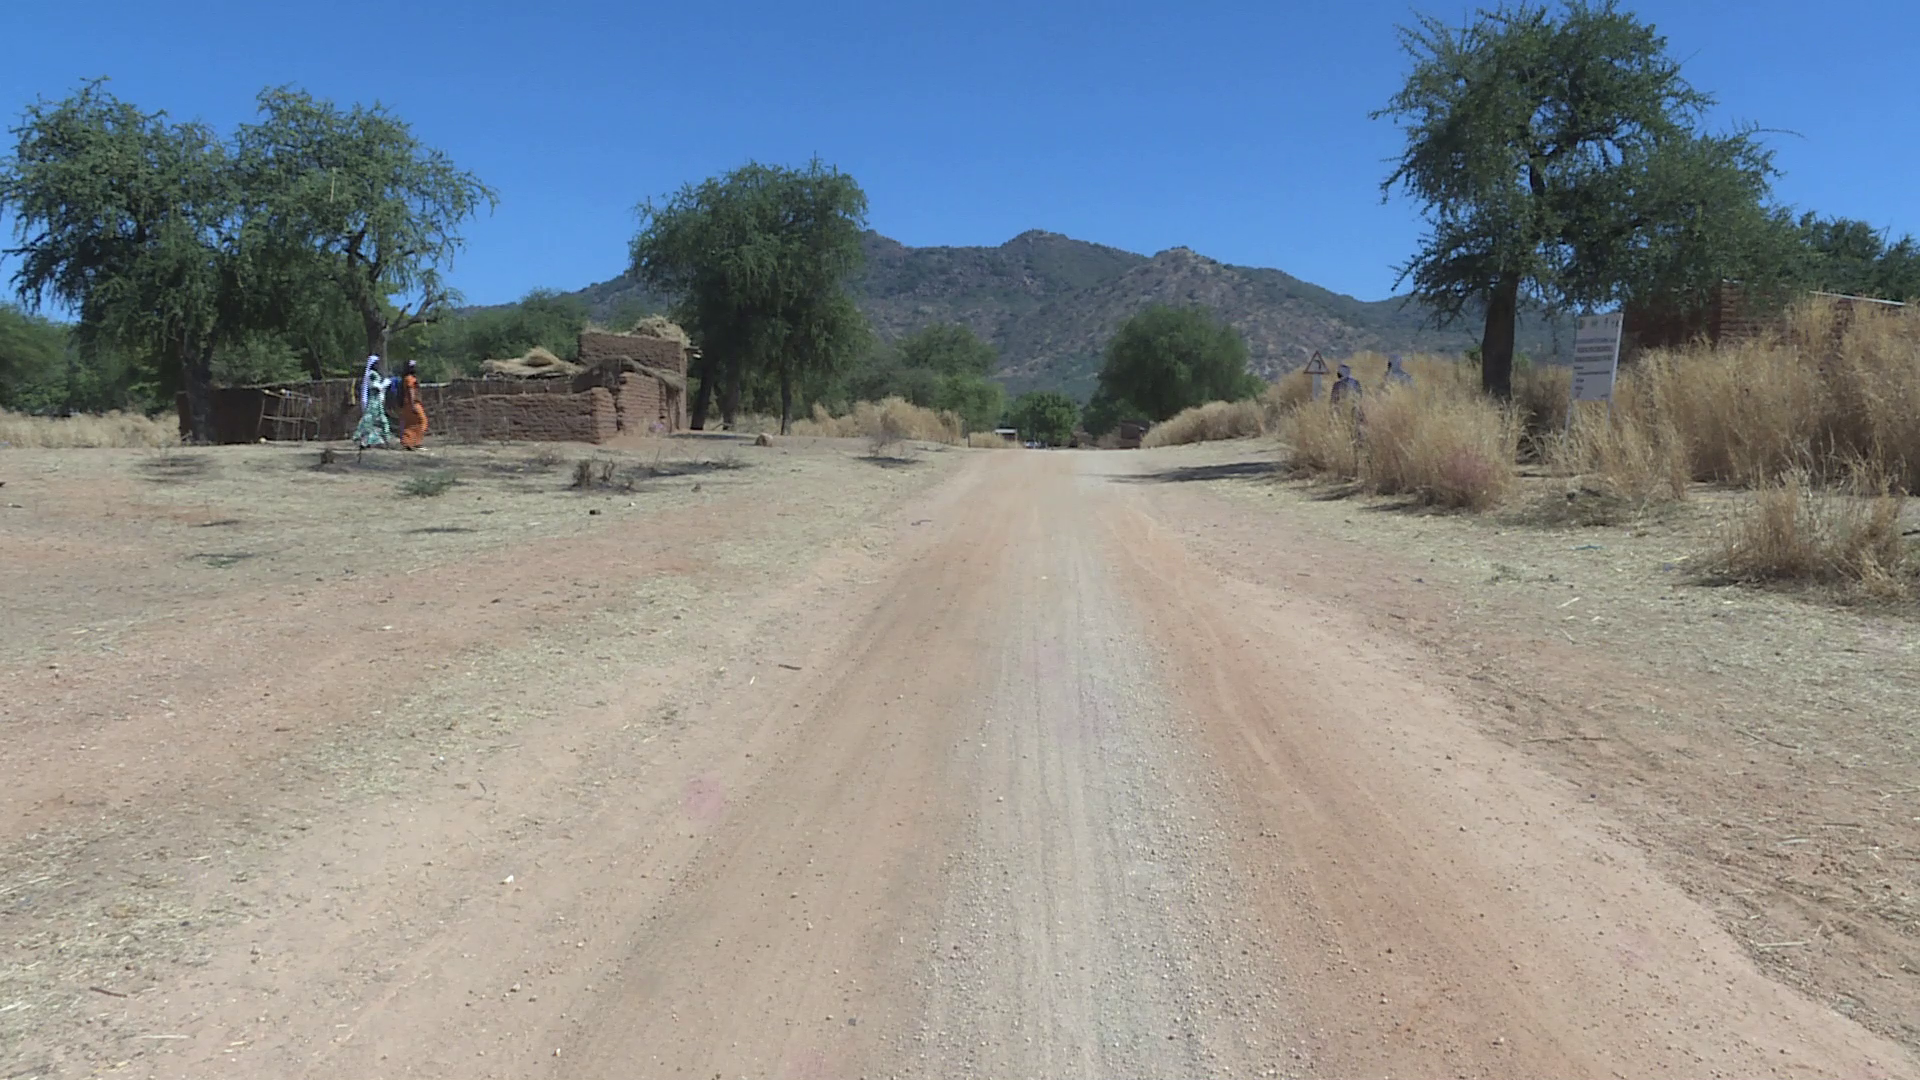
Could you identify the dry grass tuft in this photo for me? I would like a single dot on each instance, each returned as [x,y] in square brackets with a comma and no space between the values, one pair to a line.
[1442,445]
[106,430]
[1633,454]
[1437,440]
[1846,536]
[987,440]
[893,419]
[1212,422]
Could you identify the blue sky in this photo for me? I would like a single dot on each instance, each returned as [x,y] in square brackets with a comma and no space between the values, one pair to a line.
[1239,130]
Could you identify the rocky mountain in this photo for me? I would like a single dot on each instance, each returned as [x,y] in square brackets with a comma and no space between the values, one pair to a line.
[1050,303]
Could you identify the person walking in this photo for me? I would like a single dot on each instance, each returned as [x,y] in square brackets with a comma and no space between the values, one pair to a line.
[1397,374]
[373,429]
[1345,386]
[413,412]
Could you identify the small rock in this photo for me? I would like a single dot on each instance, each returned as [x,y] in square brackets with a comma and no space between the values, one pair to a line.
[763,439]
[593,513]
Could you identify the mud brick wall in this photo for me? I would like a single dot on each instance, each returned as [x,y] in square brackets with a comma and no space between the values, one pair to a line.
[539,416]
[643,403]
[597,348]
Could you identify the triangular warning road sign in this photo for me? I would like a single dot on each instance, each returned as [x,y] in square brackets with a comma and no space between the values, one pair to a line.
[1316,366]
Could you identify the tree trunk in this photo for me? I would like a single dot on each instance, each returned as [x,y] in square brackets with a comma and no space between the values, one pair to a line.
[786,397]
[376,328]
[1496,342]
[730,399]
[196,374]
[703,396]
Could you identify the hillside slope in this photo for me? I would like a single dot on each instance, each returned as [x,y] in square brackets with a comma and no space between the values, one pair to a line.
[1050,303]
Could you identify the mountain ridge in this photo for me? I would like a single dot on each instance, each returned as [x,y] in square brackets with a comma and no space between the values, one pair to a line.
[1049,303]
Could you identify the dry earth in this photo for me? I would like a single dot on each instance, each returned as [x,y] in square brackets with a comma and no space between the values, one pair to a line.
[788,763]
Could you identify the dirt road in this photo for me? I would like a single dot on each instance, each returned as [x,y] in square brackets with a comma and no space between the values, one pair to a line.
[1024,790]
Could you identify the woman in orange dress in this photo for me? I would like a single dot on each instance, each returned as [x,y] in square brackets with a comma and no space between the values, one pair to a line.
[413,414]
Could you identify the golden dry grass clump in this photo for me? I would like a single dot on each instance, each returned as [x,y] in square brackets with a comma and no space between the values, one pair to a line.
[893,419]
[1839,387]
[987,440]
[104,430]
[1211,422]
[1437,440]
[1844,535]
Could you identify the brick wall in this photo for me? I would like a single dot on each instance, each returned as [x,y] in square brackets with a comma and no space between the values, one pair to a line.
[598,348]
[526,417]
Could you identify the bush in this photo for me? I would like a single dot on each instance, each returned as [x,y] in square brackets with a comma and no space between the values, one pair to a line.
[114,429]
[1633,453]
[1832,391]
[1211,422]
[427,485]
[1847,536]
[894,417]
[987,440]
[1440,443]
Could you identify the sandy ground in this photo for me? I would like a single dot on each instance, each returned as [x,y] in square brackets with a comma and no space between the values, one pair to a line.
[792,764]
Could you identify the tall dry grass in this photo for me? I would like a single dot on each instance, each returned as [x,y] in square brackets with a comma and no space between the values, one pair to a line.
[1214,421]
[114,429]
[1437,440]
[1834,390]
[987,440]
[893,419]
[1845,535]
[1634,452]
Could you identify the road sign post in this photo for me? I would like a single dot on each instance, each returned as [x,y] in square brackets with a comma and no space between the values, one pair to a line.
[1316,367]
[1596,361]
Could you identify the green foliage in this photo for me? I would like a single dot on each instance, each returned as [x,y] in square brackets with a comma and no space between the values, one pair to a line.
[351,199]
[427,485]
[1044,416]
[1166,359]
[132,222]
[943,366]
[188,258]
[33,362]
[1558,159]
[1852,257]
[256,358]
[1105,411]
[758,261]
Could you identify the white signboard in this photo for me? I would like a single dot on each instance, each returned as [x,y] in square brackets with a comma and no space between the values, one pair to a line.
[1596,356]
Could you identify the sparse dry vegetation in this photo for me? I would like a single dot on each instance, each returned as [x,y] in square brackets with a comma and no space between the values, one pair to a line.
[106,430]
[1844,535]
[1437,440]
[894,418]
[987,440]
[1211,422]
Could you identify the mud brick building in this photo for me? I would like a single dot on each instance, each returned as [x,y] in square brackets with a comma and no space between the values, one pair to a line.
[632,383]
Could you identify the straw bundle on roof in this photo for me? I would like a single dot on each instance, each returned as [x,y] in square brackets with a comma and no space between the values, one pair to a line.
[538,363]
[660,326]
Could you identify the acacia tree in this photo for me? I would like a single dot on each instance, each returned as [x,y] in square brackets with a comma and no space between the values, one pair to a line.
[1557,160]
[1166,359]
[1045,416]
[132,222]
[351,199]
[758,261]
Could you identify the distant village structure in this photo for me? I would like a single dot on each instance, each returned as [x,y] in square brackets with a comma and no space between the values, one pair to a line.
[621,383]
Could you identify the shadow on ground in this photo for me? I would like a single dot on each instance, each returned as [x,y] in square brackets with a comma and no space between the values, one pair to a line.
[1237,470]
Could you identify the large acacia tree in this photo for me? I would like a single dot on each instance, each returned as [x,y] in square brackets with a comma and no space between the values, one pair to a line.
[1558,160]
[758,262]
[132,222]
[363,213]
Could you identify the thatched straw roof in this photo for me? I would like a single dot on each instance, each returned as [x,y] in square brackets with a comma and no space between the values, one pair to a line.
[538,363]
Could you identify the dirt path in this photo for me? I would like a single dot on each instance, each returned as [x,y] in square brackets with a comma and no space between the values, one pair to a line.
[1030,790]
